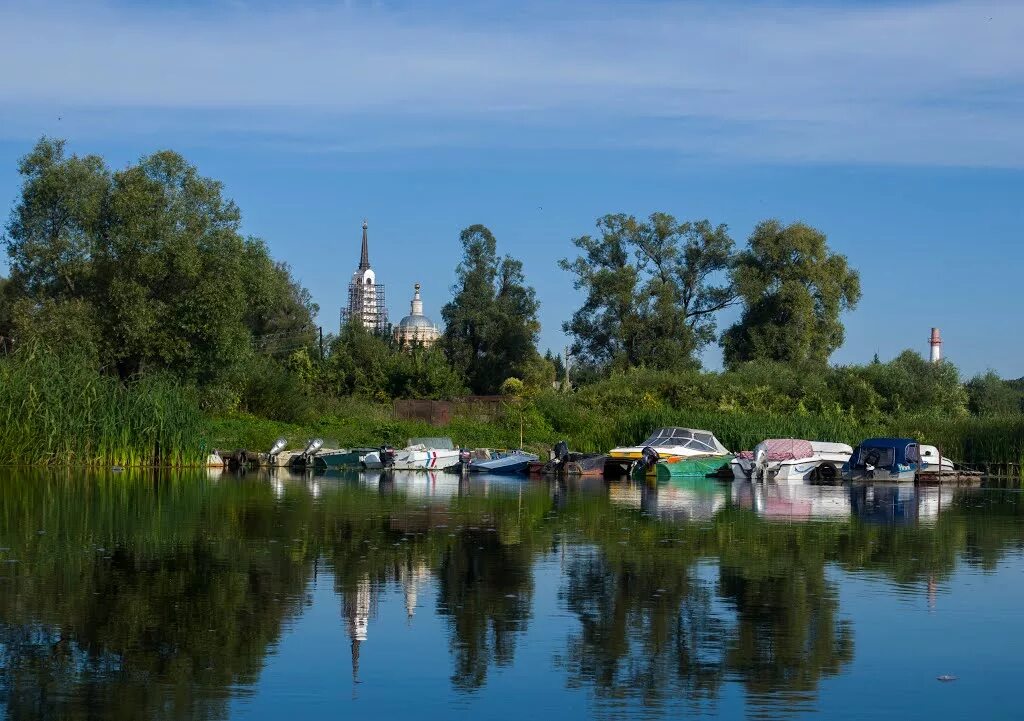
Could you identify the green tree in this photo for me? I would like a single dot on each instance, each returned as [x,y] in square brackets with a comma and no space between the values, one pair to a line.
[990,395]
[358,363]
[155,254]
[652,290]
[373,366]
[6,312]
[910,384]
[793,290]
[491,324]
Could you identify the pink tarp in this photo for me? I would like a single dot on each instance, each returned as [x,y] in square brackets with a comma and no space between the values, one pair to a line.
[783,449]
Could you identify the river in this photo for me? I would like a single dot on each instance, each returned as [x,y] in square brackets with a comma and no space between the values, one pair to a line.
[200,595]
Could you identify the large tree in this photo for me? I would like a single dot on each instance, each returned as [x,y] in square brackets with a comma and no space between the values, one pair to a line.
[793,290]
[491,324]
[153,254]
[652,290]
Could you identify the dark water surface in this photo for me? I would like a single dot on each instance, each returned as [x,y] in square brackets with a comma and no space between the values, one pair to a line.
[195,595]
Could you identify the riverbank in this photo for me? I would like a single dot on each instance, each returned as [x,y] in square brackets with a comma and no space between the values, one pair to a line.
[550,418]
[57,411]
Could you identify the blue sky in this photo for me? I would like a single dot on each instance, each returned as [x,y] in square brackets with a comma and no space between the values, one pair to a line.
[894,127]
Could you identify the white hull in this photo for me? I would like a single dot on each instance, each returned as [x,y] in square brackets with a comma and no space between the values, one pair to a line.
[426,460]
[882,475]
[797,470]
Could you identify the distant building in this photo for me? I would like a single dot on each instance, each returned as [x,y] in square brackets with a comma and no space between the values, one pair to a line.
[365,295]
[416,328]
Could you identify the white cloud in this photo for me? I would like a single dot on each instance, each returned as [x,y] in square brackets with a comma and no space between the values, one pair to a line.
[928,83]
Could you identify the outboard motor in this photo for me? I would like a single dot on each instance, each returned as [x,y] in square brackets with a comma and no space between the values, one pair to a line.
[649,458]
[387,456]
[870,461]
[760,469]
[279,445]
[311,448]
[465,457]
[560,452]
[239,460]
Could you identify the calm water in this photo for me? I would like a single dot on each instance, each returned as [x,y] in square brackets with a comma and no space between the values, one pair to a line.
[260,597]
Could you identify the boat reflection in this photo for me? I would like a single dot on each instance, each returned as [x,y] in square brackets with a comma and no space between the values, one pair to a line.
[792,501]
[430,484]
[687,499]
[871,503]
[900,503]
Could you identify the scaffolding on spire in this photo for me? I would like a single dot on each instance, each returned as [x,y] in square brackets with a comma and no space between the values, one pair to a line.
[366,303]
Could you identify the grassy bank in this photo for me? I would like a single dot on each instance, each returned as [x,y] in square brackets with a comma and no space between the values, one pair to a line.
[551,418]
[57,410]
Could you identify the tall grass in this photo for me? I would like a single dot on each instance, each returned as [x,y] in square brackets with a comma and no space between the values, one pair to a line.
[555,417]
[55,408]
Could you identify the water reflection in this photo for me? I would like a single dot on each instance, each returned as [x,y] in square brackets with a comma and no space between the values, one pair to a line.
[873,503]
[154,595]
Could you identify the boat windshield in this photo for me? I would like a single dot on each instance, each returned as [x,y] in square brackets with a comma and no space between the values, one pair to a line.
[684,438]
[870,456]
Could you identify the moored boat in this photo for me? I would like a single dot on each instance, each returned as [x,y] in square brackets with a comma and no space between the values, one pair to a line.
[422,454]
[678,444]
[342,458]
[792,460]
[505,462]
[884,459]
[564,462]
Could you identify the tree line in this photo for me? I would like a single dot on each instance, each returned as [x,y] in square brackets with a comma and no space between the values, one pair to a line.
[146,270]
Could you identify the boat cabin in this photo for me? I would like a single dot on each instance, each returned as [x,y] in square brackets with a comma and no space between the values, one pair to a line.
[885,453]
[665,443]
[897,457]
[684,441]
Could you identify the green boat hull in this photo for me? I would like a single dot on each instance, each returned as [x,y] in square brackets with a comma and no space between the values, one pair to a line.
[698,467]
[342,460]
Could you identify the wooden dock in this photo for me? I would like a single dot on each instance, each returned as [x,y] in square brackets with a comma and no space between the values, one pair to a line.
[959,477]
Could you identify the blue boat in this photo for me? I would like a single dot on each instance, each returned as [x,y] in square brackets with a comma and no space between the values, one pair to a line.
[507,462]
[884,459]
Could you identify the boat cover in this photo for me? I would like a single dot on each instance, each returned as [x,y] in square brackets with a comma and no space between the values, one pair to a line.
[886,452]
[782,449]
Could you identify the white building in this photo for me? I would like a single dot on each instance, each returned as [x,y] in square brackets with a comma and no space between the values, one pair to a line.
[416,328]
[365,295]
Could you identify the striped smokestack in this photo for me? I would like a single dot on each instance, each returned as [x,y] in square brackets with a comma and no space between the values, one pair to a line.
[936,343]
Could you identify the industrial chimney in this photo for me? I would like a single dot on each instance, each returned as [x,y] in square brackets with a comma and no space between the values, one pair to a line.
[936,343]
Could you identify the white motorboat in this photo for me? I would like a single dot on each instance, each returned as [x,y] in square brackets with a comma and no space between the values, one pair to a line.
[792,460]
[665,444]
[933,461]
[422,454]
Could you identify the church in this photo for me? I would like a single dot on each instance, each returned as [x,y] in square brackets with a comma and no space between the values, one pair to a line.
[366,304]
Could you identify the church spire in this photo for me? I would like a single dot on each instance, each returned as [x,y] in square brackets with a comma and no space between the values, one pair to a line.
[364,257]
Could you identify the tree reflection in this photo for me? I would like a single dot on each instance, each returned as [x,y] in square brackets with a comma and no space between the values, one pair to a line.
[788,636]
[646,630]
[106,616]
[485,588]
[152,596]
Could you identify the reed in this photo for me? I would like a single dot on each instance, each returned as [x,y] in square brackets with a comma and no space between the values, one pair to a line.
[57,409]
